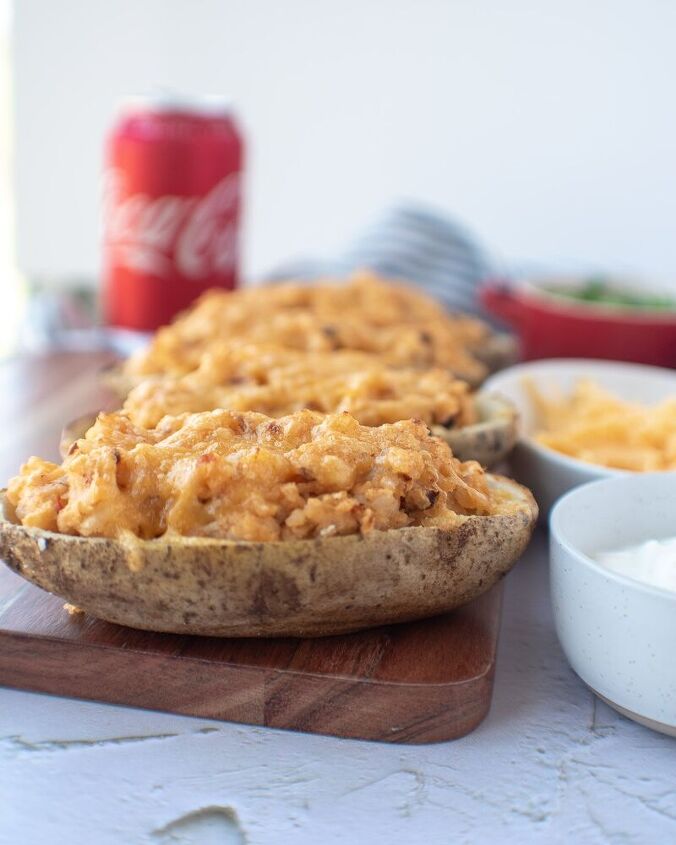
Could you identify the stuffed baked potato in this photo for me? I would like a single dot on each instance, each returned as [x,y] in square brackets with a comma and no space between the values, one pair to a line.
[235,524]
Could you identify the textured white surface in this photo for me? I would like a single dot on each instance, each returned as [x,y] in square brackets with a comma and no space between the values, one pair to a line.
[550,764]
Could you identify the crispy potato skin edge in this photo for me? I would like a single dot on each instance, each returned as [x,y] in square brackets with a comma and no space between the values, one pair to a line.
[302,588]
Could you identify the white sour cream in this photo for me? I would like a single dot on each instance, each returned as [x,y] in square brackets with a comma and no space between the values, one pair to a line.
[652,562]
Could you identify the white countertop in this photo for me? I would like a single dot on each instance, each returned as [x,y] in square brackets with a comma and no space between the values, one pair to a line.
[550,764]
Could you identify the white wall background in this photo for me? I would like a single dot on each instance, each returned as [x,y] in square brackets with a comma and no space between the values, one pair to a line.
[549,127]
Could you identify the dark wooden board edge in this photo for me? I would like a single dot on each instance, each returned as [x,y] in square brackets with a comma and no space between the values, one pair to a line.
[64,385]
[286,699]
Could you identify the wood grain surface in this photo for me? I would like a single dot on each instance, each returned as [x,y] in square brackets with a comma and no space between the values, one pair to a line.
[425,681]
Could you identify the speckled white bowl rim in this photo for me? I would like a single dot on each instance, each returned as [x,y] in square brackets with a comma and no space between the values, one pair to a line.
[519,371]
[584,559]
[532,459]
[576,557]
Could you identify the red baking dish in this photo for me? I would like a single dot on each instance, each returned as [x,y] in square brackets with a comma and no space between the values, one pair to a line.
[550,326]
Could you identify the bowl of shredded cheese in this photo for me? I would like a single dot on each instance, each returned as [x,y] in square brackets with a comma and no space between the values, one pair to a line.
[581,420]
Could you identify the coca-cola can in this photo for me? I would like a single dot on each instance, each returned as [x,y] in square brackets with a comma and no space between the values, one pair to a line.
[171,208]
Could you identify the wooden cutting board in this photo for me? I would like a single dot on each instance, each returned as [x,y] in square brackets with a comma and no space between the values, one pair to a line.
[419,682]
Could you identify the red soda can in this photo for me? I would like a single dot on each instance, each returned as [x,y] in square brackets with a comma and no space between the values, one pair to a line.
[171,208]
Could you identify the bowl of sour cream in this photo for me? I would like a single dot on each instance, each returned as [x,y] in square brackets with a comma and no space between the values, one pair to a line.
[613,589]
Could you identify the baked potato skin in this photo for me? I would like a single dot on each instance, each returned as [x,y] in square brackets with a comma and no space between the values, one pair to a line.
[304,588]
[488,441]
[498,351]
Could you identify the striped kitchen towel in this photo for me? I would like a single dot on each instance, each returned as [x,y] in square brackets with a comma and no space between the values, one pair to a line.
[408,242]
[415,244]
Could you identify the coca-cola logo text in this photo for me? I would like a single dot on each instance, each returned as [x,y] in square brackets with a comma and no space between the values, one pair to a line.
[195,237]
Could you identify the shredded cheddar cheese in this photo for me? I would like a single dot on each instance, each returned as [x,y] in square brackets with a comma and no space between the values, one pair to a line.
[595,426]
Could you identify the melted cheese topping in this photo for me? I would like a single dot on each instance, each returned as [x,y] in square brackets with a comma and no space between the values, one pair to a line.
[245,476]
[325,383]
[396,323]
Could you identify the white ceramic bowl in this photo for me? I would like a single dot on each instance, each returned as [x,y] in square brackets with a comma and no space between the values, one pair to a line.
[618,634]
[550,474]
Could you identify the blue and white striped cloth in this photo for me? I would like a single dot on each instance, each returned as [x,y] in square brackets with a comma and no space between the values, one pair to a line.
[414,244]
[408,242]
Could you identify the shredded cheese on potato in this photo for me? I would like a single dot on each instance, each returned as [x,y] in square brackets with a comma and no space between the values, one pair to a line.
[593,425]
[396,323]
[245,476]
[373,395]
